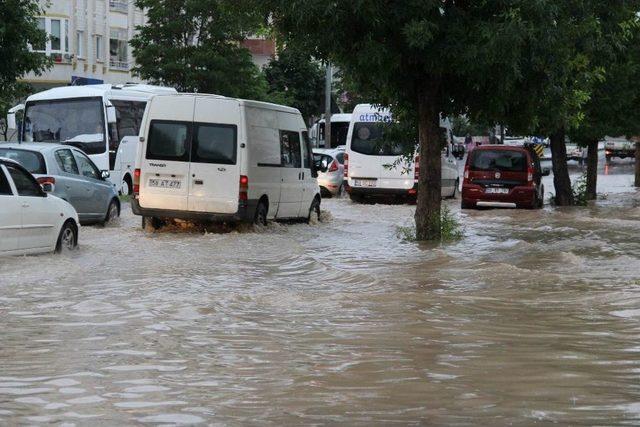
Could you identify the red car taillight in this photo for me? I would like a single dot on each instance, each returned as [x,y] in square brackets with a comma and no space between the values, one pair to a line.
[46,180]
[136,181]
[346,165]
[530,175]
[333,166]
[466,171]
[244,188]
[416,168]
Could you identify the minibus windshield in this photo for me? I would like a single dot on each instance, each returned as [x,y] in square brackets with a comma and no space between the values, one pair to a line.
[78,122]
[367,139]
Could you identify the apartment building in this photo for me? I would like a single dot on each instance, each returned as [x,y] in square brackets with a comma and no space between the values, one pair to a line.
[89,42]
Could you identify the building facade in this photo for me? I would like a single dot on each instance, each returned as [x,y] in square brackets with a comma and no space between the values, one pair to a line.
[88,41]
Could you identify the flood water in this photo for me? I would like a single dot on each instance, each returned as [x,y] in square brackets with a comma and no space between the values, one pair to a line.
[533,317]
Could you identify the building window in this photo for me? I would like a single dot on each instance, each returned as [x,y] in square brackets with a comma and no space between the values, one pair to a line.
[80,44]
[55,34]
[118,49]
[119,6]
[98,48]
[57,44]
[41,26]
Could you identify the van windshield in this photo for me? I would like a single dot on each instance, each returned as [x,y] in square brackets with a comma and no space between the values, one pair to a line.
[499,160]
[78,122]
[367,139]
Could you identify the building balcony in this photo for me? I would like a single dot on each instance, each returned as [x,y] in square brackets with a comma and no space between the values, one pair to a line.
[118,65]
[119,6]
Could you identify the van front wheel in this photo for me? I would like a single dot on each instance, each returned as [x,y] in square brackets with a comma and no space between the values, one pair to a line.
[314,211]
[261,214]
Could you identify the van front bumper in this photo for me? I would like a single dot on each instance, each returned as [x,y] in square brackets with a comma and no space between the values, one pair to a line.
[246,213]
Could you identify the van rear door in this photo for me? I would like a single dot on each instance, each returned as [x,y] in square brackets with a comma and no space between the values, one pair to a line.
[214,181]
[164,180]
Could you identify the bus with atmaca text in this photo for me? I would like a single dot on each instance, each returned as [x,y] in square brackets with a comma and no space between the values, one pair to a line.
[102,120]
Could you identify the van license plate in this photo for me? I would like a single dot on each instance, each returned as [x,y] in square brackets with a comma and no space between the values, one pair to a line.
[165,183]
[364,182]
[497,191]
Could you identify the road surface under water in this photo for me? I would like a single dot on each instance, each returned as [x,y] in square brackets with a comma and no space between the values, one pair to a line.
[533,317]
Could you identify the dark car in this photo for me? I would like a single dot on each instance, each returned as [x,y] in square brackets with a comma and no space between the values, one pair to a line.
[503,176]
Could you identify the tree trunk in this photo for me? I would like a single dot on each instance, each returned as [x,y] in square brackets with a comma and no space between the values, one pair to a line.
[592,169]
[427,216]
[637,181]
[561,180]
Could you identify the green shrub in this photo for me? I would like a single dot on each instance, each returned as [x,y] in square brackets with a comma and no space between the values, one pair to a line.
[450,228]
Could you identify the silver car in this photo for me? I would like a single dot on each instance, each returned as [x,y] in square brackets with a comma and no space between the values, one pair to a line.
[68,173]
[330,166]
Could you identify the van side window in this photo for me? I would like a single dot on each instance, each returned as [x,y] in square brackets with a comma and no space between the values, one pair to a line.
[168,140]
[215,143]
[290,149]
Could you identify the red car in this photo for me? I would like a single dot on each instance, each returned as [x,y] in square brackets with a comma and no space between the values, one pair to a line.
[503,176]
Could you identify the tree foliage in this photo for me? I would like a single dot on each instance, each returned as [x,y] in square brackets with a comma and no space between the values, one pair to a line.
[423,58]
[294,78]
[196,46]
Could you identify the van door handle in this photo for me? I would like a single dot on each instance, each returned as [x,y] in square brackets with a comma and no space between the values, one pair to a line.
[25,205]
[198,182]
[303,175]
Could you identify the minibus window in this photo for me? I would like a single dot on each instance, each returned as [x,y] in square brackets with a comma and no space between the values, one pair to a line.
[309,158]
[168,141]
[215,143]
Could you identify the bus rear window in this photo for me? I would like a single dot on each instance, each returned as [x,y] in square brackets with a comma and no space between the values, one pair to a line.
[499,160]
[168,140]
[30,160]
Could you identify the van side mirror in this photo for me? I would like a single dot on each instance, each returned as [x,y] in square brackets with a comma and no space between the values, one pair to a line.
[546,171]
[11,117]
[105,175]
[111,114]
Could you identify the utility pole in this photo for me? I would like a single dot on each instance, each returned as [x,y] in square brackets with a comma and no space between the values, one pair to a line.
[327,108]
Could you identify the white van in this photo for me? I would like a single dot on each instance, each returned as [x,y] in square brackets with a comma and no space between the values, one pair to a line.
[211,158]
[372,171]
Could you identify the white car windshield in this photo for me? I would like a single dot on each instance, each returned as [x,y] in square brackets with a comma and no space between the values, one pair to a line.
[78,122]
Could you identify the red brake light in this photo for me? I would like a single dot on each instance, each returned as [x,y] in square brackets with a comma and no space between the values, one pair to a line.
[416,168]
[346,165]
[136,181]
[46,180]
[333,167]
[244,188]
[530,174]
[466,171]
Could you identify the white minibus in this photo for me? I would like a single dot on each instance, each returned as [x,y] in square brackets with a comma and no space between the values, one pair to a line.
[102,120]
[209,158]
[339,129]
[374,170]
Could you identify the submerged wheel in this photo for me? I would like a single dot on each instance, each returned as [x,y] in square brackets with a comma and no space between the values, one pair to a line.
[260,217]
[68,237]
[152,222]
[113,212]
[126,188]
[314,210]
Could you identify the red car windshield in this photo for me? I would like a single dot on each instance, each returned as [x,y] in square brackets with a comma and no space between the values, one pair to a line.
[498,160]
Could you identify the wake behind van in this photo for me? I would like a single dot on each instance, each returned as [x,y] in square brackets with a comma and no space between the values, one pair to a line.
[373,170]
[211,158]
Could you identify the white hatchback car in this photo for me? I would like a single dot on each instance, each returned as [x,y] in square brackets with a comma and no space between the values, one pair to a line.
[31,220]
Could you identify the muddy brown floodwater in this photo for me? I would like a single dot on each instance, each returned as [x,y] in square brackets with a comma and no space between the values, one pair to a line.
[534,317]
